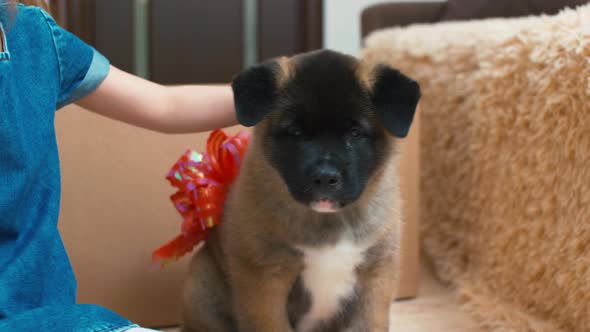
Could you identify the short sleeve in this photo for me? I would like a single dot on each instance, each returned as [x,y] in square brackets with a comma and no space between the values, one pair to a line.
[81,68]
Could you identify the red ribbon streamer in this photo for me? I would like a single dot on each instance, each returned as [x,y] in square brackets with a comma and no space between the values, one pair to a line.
[202,182]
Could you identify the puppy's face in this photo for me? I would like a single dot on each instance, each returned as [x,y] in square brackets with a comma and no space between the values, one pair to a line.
[325,122]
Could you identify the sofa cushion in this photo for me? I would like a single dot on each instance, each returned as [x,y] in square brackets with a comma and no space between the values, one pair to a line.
[479,9]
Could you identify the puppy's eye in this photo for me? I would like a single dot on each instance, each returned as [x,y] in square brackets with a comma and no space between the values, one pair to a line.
[355,131]
[294,131]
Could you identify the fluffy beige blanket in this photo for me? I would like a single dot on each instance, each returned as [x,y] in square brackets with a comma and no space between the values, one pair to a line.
[505,162]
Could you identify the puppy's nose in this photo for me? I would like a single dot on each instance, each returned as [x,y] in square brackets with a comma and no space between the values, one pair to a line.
[326,177]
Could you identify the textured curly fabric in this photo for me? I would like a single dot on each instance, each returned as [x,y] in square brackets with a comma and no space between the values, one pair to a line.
[505,155]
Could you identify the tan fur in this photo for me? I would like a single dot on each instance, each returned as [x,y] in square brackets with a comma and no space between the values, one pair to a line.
[363,73]
[380,209]
[261,269]
[505,155]
[286,71]
[383,204]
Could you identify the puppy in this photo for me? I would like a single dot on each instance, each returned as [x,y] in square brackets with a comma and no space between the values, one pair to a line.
[309,234]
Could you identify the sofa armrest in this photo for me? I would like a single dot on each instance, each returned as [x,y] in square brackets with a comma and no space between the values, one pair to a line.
[400,14]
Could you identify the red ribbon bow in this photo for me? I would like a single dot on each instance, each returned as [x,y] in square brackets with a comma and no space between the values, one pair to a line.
[203,181]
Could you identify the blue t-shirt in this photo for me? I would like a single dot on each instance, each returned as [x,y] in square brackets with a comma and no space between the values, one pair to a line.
[42,68]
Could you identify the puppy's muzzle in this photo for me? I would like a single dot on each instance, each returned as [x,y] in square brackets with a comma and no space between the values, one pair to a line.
[325,179]
[325,183]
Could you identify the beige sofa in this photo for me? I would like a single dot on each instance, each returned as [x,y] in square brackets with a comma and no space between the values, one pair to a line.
[505,155]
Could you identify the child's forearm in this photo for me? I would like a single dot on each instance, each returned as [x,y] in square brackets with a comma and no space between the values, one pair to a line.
[200,108]
[177,109]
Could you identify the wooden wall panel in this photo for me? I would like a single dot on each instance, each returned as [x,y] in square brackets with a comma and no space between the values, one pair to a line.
[195,41]
[114,32]
[287,27]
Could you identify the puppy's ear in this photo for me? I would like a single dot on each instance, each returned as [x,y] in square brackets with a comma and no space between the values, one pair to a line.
[395,96]
[255,90]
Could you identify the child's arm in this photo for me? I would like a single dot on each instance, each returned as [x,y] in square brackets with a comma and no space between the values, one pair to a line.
[174,109]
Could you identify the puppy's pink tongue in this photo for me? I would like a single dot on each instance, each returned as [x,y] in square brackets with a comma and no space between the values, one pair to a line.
[324,206]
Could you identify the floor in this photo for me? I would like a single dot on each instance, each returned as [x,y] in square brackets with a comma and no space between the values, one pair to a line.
[434,310]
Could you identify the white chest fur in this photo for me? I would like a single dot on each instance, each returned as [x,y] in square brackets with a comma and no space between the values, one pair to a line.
[329,276]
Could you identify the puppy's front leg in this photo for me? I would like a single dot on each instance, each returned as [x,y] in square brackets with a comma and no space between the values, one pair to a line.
[260,298]
[377,285]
